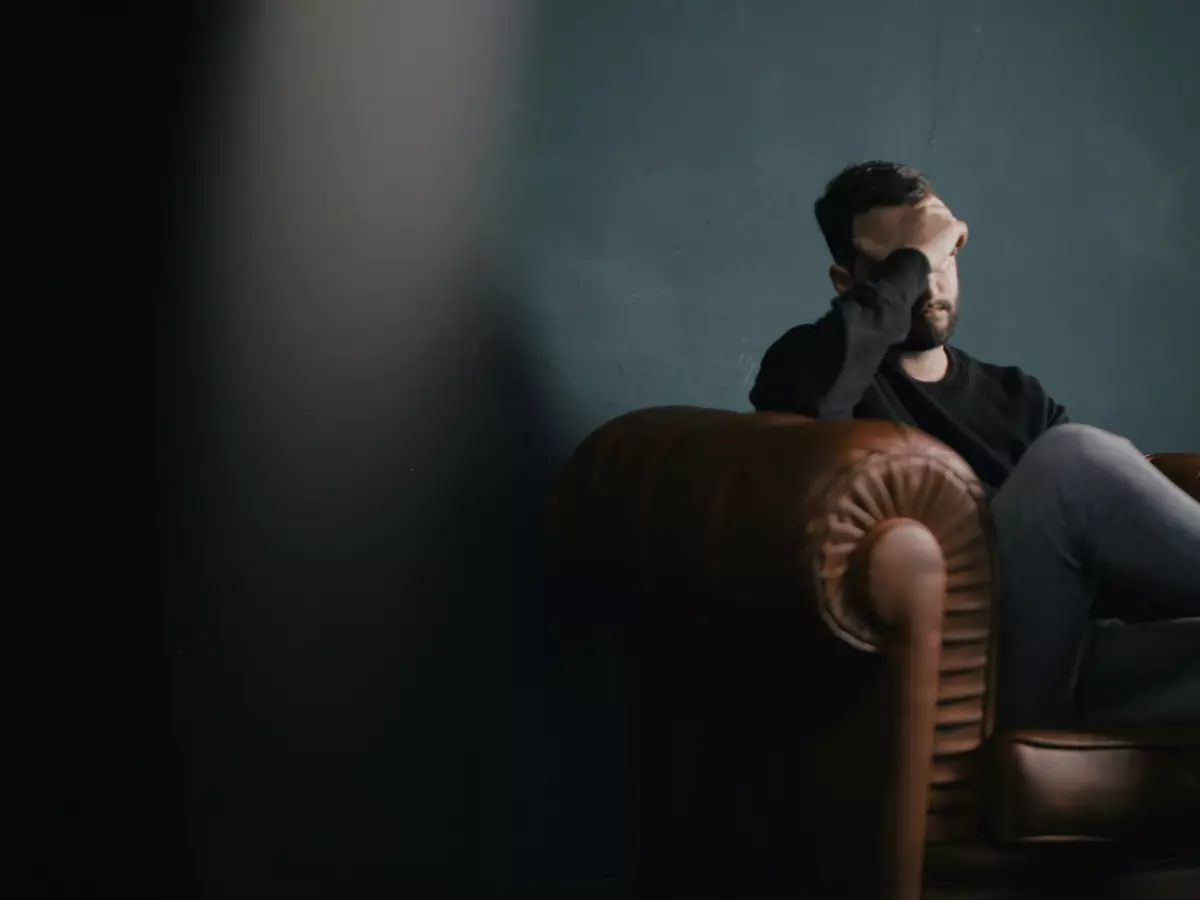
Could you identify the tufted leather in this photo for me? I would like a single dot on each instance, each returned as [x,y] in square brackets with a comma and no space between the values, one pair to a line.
[809,611]
[774,501]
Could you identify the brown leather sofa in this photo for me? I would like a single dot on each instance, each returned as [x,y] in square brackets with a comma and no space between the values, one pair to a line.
[807,613]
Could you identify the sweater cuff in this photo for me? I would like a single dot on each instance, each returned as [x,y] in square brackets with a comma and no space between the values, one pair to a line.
[906,271]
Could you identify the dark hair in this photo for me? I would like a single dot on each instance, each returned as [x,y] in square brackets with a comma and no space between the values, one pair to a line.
[861,187]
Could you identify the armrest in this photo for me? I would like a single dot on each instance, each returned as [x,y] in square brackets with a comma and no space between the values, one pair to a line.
[772,509]
[797,536]
[1181,468]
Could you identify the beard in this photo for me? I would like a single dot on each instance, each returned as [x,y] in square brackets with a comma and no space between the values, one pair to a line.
[929,327]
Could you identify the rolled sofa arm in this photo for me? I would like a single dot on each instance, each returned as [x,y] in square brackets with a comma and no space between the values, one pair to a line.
[770,508]
[864,534]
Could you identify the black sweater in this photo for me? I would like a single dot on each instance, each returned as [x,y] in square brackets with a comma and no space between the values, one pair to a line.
[843,366]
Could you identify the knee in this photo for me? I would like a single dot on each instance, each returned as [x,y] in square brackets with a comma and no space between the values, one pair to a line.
[1076,433]
[1073,448]
[1072,442]
[1049,478]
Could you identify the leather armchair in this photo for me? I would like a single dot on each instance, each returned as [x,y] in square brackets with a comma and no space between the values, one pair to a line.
[806,609]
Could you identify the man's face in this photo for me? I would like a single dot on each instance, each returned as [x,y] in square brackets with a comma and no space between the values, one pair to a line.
[936,311]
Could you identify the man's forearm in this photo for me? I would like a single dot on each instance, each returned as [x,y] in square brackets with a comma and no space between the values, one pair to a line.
[824,368]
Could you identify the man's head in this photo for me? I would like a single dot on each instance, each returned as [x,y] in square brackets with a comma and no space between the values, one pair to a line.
[866,201]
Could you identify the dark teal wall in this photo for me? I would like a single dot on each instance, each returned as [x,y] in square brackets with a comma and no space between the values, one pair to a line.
[677,148]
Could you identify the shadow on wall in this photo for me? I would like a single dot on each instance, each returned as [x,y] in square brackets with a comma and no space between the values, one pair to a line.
[358,682]
[361,671]
[367,662]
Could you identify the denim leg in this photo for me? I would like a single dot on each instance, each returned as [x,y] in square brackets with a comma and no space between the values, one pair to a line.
[1082,508]
[1148,671]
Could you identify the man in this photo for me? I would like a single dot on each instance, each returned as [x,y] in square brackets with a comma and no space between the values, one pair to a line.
[1078,512]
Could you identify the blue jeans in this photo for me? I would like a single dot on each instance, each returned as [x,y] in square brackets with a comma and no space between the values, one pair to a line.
[1085,515]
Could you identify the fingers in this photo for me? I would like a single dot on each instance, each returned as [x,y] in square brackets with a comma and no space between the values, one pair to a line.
[931,201]
[940,212]
[953,231]
[869,248]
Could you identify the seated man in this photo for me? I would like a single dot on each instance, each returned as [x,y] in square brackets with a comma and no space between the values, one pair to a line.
[1077,510]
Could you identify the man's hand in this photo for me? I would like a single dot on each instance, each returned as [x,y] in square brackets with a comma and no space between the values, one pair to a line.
[927,225]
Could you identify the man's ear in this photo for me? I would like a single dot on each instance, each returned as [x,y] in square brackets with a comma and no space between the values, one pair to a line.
[842,279]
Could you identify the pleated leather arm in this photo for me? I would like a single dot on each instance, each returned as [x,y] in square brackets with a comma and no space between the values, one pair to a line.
[792,536]
[766,509]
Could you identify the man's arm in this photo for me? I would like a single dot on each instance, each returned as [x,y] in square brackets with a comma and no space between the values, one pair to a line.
[1056,414]
[1037,409]
[823,369]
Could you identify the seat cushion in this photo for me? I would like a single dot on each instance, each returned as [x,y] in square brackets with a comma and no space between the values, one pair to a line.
[1130,785]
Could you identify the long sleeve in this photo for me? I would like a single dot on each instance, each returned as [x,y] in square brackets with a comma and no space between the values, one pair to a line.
[1056,414]
[823,369]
